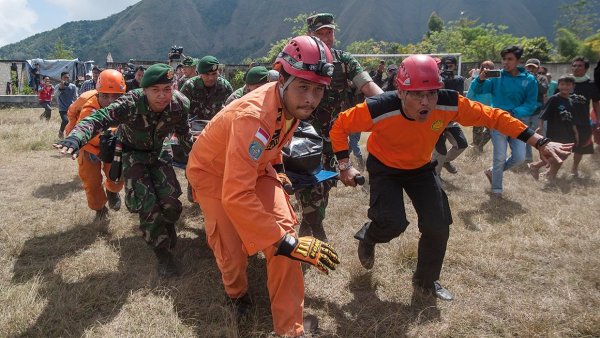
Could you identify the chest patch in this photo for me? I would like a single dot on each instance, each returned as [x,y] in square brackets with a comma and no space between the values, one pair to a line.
[437,125]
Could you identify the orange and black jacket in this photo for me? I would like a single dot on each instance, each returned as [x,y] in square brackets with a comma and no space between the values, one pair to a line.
[402,143]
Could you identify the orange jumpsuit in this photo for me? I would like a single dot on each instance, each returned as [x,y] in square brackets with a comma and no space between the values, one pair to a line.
[90,166]
[245,208]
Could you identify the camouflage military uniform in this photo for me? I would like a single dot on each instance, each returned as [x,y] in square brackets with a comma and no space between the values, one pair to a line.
[181,81]
[152,189]
[206,102]
[236,94]
[314,200]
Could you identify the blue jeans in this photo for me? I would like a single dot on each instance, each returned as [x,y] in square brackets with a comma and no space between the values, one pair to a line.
[532,122]
[500,163]
[64,120]
[354,138]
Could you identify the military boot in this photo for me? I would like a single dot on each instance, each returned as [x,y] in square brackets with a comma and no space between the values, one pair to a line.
[114,200]
[101,215]
[172,233]
[166,263]
[190,194]
[240,306]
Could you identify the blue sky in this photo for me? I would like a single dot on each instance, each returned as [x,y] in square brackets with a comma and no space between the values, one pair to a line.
[20,19]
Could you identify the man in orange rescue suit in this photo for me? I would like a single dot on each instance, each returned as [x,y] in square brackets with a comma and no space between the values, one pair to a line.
[232,172]
[404,126]
[109,86]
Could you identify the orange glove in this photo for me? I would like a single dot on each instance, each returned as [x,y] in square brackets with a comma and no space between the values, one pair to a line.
[310,250]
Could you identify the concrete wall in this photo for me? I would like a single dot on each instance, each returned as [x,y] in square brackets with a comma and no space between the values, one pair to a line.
[21,101]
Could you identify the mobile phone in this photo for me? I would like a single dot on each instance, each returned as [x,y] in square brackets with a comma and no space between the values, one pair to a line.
[492,73]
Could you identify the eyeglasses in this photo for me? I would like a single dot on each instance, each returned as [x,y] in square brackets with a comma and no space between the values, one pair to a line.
[421,94]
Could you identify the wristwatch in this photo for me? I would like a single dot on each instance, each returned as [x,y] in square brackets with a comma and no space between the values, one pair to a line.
[541,142]
[344,165]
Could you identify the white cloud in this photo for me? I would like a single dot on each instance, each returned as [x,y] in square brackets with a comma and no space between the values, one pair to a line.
[16,20]
[91,9]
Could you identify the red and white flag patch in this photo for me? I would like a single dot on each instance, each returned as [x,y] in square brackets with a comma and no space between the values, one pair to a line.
[262,136]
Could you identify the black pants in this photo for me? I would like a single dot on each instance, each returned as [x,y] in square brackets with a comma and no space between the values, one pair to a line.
[388,216]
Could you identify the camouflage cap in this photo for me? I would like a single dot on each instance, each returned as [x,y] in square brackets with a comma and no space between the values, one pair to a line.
[189,61]
[318,21]
[256,75]
[158,73]
[207,64]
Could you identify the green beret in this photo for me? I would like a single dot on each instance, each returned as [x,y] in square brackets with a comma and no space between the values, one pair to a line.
[158,73]
[207,64]
[189,61]
[318,21]
[257,75]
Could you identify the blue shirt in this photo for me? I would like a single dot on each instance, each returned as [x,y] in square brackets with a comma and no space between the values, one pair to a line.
[515,94]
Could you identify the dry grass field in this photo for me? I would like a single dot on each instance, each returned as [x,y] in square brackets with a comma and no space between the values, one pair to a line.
[524,266]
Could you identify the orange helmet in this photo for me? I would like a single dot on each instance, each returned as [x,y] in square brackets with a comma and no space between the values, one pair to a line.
[111,81]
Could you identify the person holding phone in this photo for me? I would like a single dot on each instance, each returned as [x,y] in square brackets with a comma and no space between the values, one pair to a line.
[515,91]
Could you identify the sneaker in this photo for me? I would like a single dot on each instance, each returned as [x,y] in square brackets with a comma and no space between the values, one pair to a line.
[114,200]
[488,174]
[166,263]
[435,289]
[450,167]
[101,215]
[366,254]
[240,306]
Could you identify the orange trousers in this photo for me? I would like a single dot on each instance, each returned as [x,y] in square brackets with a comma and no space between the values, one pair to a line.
[285,281]
[90,172]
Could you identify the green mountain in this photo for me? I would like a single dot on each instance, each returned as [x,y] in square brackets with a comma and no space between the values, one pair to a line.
[235,29]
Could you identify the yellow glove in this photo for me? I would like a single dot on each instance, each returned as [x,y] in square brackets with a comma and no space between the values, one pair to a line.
[310,250]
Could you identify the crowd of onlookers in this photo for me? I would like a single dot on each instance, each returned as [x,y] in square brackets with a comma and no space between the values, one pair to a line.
[569,119]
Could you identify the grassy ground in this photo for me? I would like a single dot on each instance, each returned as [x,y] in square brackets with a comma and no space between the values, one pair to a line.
[527,265]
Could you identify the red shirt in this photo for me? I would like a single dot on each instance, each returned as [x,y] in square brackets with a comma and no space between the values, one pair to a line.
[45,93]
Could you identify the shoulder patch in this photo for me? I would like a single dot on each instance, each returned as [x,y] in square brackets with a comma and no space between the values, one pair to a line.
[255,150]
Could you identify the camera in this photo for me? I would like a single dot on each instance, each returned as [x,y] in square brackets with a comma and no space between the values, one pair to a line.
[492,73]
[445,72]
[176,52]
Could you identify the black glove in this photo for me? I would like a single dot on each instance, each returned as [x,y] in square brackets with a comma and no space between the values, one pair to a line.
[68,143]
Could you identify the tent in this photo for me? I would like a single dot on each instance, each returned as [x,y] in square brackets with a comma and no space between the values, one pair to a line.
[53,68]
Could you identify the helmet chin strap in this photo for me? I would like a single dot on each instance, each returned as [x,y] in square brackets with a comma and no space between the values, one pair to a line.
[283,88]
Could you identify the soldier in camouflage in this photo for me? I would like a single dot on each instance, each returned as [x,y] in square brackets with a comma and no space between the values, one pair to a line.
[346,69]
[145,117]
[208,91]
[189,70]
[255,77]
